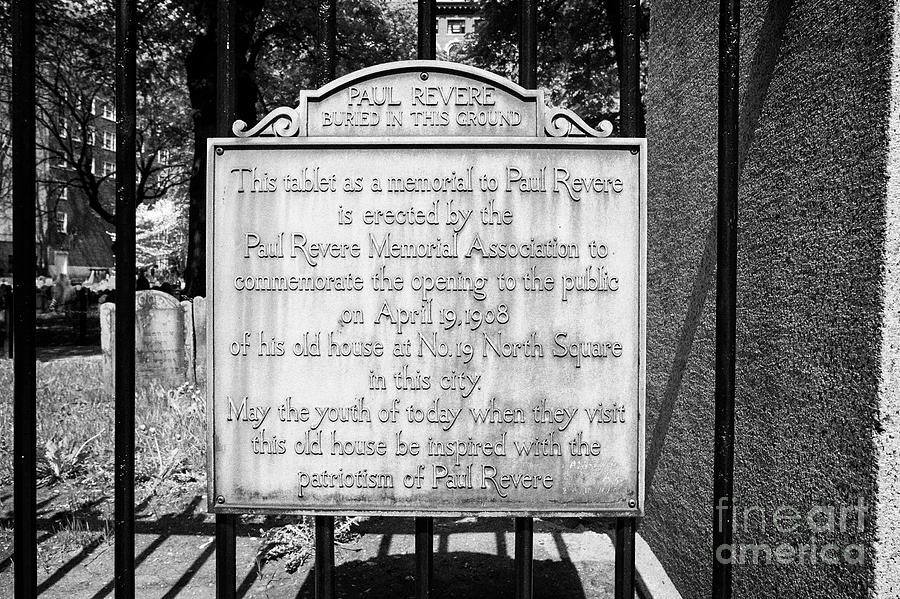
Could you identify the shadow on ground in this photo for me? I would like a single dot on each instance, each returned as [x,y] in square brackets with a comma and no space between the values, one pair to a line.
[175,552]
[457,575]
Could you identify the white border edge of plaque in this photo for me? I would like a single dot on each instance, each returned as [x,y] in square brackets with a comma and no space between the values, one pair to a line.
[210,329]
[642,325]
[215,143]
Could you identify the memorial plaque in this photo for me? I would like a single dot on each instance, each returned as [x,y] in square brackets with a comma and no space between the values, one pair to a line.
[426,325]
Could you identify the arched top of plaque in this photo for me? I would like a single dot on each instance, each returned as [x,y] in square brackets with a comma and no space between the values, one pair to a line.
[421,98]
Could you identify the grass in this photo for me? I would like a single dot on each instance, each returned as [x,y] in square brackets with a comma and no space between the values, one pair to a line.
[75,445]
[73,419]
[75,534]
[170,438]
[75,426]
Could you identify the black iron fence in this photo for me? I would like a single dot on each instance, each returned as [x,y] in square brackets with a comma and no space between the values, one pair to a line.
[23,305]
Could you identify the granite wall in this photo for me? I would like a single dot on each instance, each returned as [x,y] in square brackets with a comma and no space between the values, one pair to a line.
[816,424]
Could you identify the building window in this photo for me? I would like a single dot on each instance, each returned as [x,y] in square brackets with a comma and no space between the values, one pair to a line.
[64,193]
[62,221]
[457,26]
[109,168]
[165,157]
[109,140]
[64,128]
[60,161]
[92,136]
[109,111]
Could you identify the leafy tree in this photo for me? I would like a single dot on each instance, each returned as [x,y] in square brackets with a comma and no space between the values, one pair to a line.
[277,54]
[75,106]
[578,51]
[76,87]
[161,238]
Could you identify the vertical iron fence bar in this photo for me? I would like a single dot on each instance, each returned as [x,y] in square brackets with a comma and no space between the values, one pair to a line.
[527,79]
[8,321]
[326,40]
[427,50]
[226,97]
[630,77]
[523,558]
[629,119]
[226,549]
[226,102]
[528,43]
[84,303]
[331,39]
[726,292]
[324,566]
[424,557]
[427,33]
[624,569]
[24,386]
[126,53]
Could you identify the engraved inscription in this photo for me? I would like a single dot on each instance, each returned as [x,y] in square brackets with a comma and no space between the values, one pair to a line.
[425,103]
[427,327]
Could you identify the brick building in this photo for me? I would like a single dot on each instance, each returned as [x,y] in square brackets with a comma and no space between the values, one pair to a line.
[455,19]
[73,239]
[77,240]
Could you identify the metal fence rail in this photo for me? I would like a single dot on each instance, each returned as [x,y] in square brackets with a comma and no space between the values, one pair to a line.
[226,101]
[726,290]
[126,104]
[24,392]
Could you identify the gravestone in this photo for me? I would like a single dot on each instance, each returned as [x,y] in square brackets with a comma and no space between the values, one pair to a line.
[426,295]
[164,348]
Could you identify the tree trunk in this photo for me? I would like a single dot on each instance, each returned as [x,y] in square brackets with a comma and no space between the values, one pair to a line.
[200,67]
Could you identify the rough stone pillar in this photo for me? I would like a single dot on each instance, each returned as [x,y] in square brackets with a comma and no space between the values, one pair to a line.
[819,295]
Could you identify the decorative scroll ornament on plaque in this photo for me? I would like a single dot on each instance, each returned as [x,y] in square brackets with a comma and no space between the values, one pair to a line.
[281,122]
[565,123]
[421,98]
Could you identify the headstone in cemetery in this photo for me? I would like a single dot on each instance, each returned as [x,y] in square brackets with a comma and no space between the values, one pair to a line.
[426,296]
[164,348]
